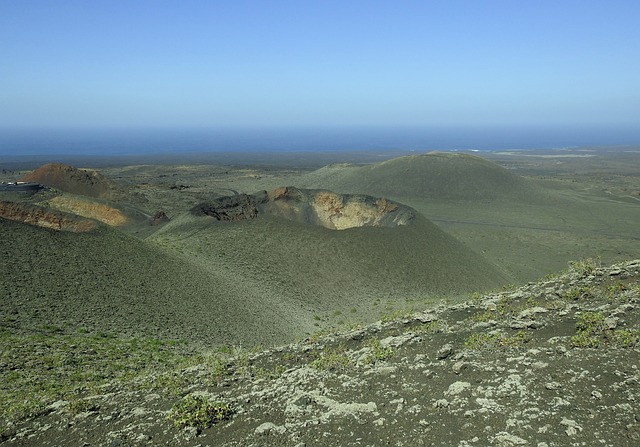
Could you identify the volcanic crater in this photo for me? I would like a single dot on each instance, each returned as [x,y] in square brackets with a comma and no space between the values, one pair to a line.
[310,206]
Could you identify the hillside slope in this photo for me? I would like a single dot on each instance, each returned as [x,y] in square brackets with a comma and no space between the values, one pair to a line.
[553,363]
[527,227]
[436,175]
[106,281]
[263,281]
[357,273]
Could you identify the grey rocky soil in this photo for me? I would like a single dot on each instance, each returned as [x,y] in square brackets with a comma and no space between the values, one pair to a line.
[553,363]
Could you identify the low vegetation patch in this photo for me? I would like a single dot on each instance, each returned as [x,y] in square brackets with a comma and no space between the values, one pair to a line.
[394,315]
[199,412]
[585,267]
[578,293]
[627,338]
[41,368]
[624,293]
[593,331]
[378,352]
[505,308]
[241,365]
[333,359]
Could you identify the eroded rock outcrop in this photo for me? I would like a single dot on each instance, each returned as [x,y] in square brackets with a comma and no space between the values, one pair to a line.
[318,207]
[90,209]
[337,211]
[229,208]
[42,217]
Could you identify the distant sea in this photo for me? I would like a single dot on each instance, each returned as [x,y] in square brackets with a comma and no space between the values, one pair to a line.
[117,142]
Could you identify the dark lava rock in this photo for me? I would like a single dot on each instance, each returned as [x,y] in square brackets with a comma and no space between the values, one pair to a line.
[159,218]
[230,208]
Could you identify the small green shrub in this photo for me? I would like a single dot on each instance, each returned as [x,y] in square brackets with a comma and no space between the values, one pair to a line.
[267,374]
[199,412]
[480,340]
[378,352]
[614,289]
[504,307]
[627,338]
[171,383]
[317,335]
[592,322]
[577,293]
[590,330]
[551,276]
[585,267]
[394,315]
[623,293]
[77,406]
[519,339]
[584,340]
[334,359]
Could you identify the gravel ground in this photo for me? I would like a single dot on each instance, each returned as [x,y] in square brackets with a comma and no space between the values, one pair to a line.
[553,363]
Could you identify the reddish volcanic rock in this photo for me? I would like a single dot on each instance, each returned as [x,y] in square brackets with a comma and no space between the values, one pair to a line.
[73,180]
[42,217]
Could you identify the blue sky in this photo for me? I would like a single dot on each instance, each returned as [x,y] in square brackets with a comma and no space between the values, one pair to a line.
[319,63]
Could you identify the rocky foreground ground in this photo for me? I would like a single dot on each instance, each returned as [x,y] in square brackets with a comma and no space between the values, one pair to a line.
[553,363]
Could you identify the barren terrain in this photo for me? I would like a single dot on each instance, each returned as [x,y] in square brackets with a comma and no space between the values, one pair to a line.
[416,300]
[553,363]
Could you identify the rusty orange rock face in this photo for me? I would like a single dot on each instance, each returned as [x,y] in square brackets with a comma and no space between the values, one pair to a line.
[42,217]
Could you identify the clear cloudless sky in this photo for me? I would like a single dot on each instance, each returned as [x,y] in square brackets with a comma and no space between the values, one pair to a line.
[155,63]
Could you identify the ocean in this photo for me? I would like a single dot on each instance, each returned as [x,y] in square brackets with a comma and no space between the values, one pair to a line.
[118,142]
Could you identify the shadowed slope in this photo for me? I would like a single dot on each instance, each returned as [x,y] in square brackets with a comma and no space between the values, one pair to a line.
[436,175]
[108,281]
